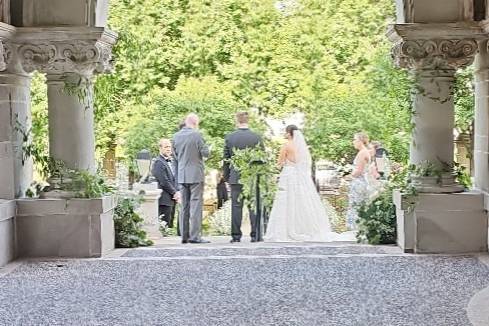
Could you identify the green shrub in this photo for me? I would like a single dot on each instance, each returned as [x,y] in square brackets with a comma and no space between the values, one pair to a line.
[128,232]
[166,231]
[220,220]
[377,220]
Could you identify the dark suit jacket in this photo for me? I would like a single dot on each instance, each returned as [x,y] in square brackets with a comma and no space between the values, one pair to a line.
[166,180]
[239,139]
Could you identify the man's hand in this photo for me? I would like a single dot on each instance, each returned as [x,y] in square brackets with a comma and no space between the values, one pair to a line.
[177,197]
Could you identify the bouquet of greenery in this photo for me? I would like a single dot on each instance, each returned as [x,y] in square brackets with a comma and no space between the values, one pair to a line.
[255,170]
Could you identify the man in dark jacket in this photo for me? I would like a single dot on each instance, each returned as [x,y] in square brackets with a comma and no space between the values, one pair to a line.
[164,174]
[241,138]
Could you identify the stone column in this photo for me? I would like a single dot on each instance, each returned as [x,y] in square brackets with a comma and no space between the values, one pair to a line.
[433,119]
[70,58]
[18,87]
[15,121]
[71,120]
[433,63]
[481,129]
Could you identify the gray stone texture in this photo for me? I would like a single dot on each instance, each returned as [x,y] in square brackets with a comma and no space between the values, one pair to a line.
[434,11]
[7,189]
[443,223]
[297,289]
[65,228]
[71,132]
[14,116]
[7,231]
[62,12]
[481,119]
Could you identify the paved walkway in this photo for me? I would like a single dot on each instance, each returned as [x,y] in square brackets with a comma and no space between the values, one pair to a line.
[247,284]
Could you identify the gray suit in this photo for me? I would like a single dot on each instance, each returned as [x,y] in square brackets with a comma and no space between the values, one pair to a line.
[189,150]
[240,139]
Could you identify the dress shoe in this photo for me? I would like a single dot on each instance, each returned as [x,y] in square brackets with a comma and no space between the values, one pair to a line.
[199,241]
[184,241]
[235,240]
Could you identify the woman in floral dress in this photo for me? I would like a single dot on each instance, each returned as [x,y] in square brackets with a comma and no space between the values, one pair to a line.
[359,190]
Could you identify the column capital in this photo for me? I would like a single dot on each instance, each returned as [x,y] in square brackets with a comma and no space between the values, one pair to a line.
[435,46]
[434,54]
[75,56]
[57,51]
[7,32]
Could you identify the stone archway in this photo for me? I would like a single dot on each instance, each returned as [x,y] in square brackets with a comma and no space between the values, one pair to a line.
[69,42]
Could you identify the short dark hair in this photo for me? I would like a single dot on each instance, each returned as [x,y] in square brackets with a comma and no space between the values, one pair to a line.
[290,129]
[376,144]
[242,117]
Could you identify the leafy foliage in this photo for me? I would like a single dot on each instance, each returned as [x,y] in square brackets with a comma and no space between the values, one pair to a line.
[88,185]
[220,220]
[162,111]
[377,220]
[253,164]
[377,217]
[166,231]
[327,59]
[253,55]
[35,138]
[127,223]
[462,176]
[464,99]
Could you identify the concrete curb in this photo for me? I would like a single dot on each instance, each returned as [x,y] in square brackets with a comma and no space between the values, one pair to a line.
[478,307]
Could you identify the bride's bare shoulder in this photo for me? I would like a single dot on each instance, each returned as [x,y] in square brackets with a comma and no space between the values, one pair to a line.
[290,146]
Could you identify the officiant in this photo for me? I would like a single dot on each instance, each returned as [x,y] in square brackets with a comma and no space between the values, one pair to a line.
[165,176]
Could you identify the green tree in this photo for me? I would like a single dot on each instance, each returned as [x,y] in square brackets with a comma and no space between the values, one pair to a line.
[327,59]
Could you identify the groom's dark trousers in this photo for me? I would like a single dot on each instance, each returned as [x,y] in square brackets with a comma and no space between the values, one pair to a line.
[240,139]
[237,213]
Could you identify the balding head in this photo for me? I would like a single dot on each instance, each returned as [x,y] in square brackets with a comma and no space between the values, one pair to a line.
[192,120]
[165,147]
[242,119]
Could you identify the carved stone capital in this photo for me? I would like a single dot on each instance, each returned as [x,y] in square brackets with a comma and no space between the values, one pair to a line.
[75,56]
[5,56]
[436,54]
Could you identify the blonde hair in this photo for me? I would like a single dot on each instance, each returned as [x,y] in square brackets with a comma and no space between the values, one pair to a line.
[164,140]
[363,137]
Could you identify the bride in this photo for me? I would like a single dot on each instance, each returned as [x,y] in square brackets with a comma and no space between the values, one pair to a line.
[298,213]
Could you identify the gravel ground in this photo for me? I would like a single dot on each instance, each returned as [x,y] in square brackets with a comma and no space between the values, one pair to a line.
[257,251]
[294,290]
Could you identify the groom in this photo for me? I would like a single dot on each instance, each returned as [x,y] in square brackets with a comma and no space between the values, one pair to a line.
[241,138]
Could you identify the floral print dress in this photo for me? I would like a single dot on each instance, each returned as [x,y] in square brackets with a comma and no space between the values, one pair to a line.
[359,192]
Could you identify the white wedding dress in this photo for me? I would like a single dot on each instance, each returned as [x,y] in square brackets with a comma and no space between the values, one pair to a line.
[298,214]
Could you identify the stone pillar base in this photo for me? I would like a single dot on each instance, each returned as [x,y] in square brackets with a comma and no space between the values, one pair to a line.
[57,194]
[65,228]
[149,205]
[7,185]
[7,231]
[442,223]
[444,184]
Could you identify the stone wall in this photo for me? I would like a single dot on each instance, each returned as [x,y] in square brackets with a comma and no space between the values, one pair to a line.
[7,231]
[65,228]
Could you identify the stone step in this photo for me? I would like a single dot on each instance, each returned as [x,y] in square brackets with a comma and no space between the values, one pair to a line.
[249,250]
